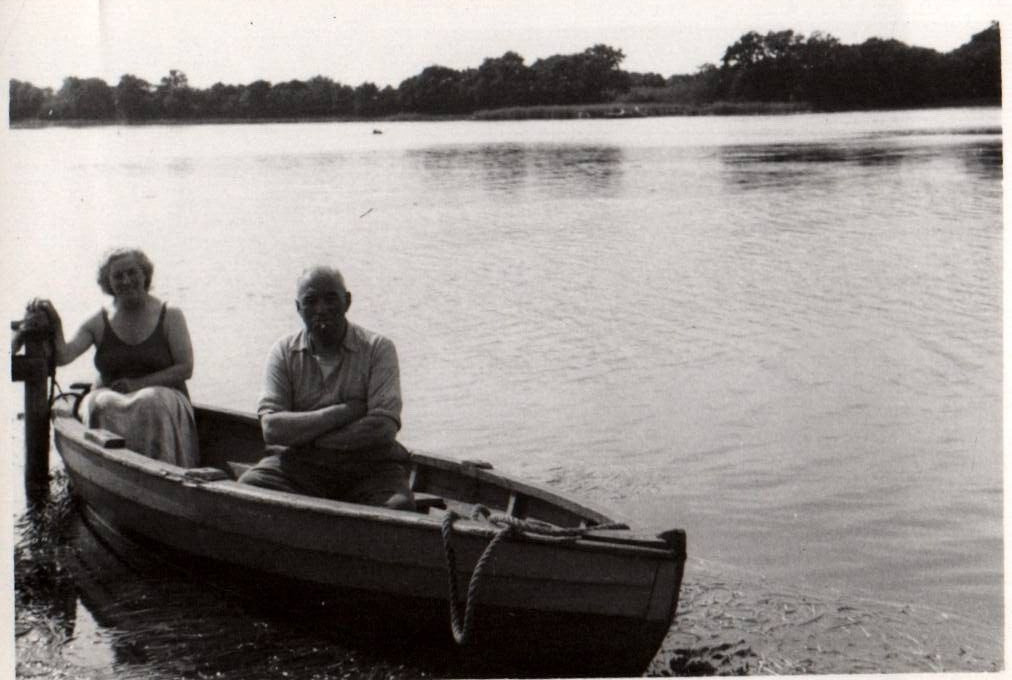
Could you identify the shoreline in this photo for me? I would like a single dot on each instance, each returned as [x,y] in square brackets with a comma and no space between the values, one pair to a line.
[606,111]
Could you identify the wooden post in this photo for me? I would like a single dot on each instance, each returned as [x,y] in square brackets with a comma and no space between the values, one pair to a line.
[33,368]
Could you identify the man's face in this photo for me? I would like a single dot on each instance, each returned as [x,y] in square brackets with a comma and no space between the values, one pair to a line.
[322,302]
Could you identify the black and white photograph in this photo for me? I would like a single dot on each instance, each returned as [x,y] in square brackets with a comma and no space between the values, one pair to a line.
[510,339]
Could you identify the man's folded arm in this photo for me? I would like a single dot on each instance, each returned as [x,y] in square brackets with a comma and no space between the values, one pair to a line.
[294,428]
[370,432]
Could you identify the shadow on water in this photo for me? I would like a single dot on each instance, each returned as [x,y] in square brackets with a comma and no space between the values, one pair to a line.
[509,168]
[86,611]
[938,132]
[805,165]
[984,160]
[773,166]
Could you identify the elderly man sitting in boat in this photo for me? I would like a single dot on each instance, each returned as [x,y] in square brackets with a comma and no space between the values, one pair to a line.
[331,405]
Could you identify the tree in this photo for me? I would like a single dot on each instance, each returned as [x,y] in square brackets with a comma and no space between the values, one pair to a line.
[746,51]
[344,100]
[557,80]
[253,99]
[763,67]
[174,95]
[222,101]
[365,100]
[89,99]
[435,90]
[285,100]
[133,98]
[503,81]
[27,101]
[590,76]
[319,96]
[388,102]
[646,80]
[975,68]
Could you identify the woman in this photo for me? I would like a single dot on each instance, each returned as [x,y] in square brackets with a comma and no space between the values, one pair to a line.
[144,357]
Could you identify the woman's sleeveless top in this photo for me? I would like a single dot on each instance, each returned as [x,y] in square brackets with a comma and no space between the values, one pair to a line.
[116,359]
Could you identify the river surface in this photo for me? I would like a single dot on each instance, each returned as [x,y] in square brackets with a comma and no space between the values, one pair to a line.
[782,334]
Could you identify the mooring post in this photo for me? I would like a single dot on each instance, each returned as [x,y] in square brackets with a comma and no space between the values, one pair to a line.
[33,368]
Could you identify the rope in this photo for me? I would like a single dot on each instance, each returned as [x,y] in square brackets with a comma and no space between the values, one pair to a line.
[462,631]
[56,392]
[539,529]
[507,526]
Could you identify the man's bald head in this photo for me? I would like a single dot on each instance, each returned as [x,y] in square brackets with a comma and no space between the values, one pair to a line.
[319,272]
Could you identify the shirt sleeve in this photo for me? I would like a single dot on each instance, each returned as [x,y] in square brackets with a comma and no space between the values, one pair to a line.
[384,382]
[277,390]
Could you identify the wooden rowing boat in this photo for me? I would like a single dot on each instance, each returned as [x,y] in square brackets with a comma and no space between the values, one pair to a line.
[595,600]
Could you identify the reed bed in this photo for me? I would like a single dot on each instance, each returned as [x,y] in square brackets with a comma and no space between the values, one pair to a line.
[639,110]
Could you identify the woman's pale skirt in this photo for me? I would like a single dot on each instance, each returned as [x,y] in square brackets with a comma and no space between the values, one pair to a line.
[155,421]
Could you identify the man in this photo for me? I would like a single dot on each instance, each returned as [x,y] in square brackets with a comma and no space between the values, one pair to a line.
[332,401]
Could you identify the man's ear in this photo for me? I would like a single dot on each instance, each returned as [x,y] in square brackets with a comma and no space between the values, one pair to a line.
[347,300]
[298,306]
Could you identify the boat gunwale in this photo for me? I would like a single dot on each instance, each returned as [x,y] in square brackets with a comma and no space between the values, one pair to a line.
[73,430]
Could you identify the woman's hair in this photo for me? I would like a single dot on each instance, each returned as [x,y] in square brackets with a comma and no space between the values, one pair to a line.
[142,261]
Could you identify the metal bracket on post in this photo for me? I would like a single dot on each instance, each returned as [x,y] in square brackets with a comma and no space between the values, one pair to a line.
[34,368]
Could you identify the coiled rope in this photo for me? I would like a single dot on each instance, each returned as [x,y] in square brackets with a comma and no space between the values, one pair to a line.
[507,526]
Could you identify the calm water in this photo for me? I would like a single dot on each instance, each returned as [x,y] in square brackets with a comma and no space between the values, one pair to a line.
[782,334]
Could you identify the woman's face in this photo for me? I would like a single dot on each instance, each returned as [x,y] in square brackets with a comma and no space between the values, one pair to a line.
[126,278]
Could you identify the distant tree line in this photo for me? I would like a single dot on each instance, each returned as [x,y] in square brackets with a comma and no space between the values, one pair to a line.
[589,76]
[785,66]
[777,67]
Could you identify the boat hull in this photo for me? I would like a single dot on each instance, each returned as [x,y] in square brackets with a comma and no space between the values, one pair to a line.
[568,607]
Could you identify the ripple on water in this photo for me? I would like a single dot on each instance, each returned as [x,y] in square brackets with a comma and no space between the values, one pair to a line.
[734,627]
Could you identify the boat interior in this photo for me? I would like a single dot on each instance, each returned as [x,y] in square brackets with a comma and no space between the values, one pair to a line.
[231,441]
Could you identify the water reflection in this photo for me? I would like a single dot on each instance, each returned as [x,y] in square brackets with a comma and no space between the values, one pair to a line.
[776,166]
[40,582]
[937,132]
[83,606]
[805,165]
[983,160]
[510,168]
[792,165]
[813,153]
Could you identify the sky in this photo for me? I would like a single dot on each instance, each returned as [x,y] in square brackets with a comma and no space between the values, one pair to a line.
[386,41]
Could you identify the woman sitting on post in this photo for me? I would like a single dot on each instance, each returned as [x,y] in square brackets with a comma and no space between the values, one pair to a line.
[143,356]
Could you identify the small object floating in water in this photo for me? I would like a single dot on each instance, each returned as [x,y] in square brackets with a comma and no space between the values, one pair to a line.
[562,586]
[377,132]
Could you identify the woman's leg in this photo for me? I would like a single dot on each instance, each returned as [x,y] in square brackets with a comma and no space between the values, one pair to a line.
[155,421]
